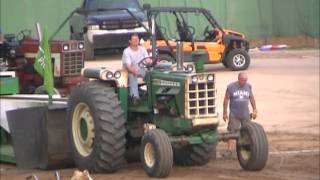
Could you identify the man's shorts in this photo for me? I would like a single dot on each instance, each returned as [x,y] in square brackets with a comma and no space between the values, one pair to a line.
[235,123]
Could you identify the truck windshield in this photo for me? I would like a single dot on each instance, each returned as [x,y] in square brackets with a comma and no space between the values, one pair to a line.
[132,5]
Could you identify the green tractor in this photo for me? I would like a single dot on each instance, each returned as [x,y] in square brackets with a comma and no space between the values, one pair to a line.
[175,121]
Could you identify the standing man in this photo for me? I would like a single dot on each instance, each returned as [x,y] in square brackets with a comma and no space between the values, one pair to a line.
[239,93]
[132,55]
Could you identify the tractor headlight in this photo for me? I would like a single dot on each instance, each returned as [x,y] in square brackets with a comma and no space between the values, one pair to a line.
[81,45]
[109,75]
[189,68]
[210,77]
[65,47]
[194,79]
[117,74]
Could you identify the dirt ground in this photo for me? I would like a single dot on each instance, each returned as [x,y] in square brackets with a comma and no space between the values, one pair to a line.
[286,87]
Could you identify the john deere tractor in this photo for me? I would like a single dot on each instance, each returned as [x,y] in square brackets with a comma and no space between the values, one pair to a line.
[175,120]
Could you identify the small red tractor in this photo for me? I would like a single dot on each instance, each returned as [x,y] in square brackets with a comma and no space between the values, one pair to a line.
[19,52]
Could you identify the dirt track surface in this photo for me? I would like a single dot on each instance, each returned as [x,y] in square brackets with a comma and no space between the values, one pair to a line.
[286,88]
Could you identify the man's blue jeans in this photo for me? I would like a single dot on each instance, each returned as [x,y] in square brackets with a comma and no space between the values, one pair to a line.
[133,82]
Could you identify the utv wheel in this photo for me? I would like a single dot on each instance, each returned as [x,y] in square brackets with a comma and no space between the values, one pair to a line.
[238,59]
[96,128]
[252,147]
[195,155]
[166,58]
[89,49]
[224,63]
[156,153]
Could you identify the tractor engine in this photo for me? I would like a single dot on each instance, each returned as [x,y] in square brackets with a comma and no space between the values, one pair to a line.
[185,97]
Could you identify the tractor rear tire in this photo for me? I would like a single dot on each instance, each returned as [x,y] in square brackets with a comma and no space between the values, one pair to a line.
[252,147]
[96,128]
[238,60]
[195,155]
[156,153]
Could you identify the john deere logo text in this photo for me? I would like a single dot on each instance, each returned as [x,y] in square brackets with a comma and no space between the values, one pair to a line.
[160,82]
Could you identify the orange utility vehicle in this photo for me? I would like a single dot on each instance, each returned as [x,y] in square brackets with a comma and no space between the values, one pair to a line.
[198,29]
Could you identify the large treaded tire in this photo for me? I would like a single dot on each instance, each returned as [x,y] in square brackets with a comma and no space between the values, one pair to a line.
[156,153]
[252,147]
[109,140]
[195,155]
[238,60]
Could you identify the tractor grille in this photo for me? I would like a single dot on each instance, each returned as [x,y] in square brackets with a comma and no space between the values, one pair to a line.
[201,100]
[73,63]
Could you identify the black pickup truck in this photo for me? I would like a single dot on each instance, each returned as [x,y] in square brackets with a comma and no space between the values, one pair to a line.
[107,29]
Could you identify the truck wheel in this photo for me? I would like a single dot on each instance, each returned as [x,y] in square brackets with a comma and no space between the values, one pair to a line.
[89,53]
[156,153]
[195,155]
[252,147]
[238,60]
[96,128]
[166,58]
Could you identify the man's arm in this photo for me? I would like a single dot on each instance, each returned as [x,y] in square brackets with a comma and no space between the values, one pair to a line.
[253,102]
[131,69]
[127,63]
[225,105]
[254,107]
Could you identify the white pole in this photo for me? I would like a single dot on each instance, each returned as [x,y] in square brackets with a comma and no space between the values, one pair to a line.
[39,32]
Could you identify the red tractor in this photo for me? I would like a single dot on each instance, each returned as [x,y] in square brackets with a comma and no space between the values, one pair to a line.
[19,52]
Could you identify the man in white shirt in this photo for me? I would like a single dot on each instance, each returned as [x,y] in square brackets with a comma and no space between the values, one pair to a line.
[131,56]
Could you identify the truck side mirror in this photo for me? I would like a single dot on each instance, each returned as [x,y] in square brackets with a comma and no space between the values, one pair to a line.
[146,6]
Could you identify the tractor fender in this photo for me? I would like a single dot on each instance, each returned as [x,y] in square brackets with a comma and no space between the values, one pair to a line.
[103,75]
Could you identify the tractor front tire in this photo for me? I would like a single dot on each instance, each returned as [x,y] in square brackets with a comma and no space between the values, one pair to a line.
[252,147]
[96,128]
[195,155]
[238,60]
[156,153]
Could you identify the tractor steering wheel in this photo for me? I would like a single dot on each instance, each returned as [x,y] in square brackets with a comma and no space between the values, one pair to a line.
[142,63]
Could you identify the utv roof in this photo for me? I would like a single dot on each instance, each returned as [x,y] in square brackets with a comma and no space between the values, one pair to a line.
[177,9]
[206,12]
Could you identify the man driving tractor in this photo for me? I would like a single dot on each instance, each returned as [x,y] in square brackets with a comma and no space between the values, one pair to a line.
[131,58]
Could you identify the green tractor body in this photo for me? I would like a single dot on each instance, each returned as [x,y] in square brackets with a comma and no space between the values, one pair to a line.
[175,120]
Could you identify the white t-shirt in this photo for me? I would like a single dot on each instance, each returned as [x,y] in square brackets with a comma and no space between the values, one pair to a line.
[131,56]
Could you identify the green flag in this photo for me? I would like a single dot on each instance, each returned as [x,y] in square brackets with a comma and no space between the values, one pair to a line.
[43,63]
